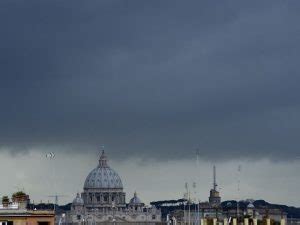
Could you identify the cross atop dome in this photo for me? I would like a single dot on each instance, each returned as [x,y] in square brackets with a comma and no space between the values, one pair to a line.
[103,160]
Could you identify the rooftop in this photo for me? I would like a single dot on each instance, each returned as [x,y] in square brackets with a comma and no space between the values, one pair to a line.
[16,210]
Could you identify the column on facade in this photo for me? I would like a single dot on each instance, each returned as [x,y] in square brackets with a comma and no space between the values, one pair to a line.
[94,198]
[225,221]
[254,221]
[109,198]
[234,221]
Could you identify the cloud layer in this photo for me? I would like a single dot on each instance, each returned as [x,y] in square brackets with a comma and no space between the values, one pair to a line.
[151,79]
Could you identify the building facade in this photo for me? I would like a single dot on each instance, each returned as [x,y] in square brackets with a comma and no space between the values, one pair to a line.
[17,213]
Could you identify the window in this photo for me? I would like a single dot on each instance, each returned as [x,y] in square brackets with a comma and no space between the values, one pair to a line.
[43,223]
[105,198]
[153,217]
[98,198]
[10,223]
[78,217]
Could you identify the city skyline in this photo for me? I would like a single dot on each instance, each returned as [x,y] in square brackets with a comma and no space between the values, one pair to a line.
[154,82]
[61,178]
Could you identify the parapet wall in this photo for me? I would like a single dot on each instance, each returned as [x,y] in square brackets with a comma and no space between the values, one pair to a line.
[118,223]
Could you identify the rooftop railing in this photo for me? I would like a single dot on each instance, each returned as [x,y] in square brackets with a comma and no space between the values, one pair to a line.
[9,206]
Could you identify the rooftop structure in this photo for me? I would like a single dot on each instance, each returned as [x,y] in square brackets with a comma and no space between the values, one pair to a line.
[214,197]
[16,212]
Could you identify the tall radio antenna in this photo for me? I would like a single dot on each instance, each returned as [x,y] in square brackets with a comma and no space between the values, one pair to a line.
[238,191]
[215,179]
[197,157]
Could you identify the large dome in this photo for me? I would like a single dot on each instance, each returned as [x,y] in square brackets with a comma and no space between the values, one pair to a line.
[103,177]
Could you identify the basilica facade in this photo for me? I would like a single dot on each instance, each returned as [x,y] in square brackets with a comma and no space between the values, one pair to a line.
[103,201]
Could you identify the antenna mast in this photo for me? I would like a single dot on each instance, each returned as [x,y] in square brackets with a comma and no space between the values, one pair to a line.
[215,179]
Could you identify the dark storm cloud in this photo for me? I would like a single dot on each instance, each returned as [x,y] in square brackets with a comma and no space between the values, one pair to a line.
[151,78]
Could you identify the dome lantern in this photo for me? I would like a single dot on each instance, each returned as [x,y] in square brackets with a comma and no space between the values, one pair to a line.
[103,160]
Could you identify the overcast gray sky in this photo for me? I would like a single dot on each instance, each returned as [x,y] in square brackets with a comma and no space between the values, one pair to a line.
[152,81]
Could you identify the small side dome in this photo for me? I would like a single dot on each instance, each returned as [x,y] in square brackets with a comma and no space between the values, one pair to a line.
[78,200]
[135,200]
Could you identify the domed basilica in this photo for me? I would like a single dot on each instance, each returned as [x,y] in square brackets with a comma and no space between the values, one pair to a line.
[103,200]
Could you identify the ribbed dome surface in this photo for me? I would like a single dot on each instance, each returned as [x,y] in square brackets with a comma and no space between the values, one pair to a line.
[103,176]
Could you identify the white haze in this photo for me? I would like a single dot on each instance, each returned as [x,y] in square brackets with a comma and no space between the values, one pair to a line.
[276,182]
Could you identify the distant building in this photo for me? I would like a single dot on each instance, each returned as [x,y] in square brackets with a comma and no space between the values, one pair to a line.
[259,213]
[15,212]
[293,221]
[192,213]
[103,201]
[195,213]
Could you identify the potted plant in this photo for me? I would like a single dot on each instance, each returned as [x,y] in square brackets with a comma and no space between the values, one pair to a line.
[19,196]
[5,201]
